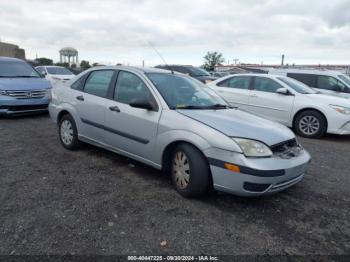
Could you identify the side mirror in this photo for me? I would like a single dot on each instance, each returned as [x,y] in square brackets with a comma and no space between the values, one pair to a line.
[282,91]
[141,103]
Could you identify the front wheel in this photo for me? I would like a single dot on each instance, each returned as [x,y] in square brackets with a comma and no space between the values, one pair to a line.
[189,171]
[68,133]
[310,124]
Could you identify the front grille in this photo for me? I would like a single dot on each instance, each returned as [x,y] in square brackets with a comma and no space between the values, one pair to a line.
[24,108]
[287,149]
[27,94]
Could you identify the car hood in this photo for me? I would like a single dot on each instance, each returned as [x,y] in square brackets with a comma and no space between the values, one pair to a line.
[203,78]
[63,77]
[237,123]
[330,99]
[23,83]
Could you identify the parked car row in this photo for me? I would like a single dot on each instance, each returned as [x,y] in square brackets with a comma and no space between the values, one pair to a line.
[230,134]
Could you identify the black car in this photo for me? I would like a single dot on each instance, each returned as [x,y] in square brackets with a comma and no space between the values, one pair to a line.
[196,72]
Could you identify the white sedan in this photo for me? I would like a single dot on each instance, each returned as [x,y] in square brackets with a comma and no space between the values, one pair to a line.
[287,101]
[55,74]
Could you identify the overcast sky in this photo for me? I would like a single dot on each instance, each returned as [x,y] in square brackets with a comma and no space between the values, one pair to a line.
[111,31]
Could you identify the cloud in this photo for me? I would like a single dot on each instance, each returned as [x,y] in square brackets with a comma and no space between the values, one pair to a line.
[119,30]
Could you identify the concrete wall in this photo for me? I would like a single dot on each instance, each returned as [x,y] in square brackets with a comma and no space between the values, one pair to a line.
[11,50]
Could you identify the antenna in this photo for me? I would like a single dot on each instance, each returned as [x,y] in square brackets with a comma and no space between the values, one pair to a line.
[161,57]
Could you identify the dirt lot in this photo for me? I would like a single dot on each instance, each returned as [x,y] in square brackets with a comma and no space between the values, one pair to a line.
[91,201]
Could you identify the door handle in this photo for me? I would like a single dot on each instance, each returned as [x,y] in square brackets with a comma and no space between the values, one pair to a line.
[254,95]
[114,108]
[81,98]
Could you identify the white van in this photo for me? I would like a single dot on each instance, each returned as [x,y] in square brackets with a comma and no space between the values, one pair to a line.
[326,81]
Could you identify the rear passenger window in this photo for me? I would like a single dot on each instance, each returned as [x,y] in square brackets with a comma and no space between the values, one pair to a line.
[307,79]
[98,82]
[266,85]
[240,82]
[129,87]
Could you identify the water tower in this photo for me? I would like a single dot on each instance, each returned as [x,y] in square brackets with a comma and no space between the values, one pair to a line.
[69,55]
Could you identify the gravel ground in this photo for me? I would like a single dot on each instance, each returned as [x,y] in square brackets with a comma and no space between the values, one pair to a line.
[91,201]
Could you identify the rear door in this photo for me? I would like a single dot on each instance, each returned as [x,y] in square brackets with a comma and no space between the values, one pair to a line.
[266,102]
[91,104]
[132,130]
[235,90]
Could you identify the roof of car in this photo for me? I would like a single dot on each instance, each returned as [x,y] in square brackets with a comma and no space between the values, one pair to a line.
[9,59]
[306,71]
[132,68]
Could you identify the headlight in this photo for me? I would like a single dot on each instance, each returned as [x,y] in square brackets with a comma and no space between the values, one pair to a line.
[341,109]
[252,148]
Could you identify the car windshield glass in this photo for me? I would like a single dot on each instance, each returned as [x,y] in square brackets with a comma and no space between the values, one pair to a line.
[297,86]
[345,78]
[16,69]
[58,71]
[186,93]
[198,71]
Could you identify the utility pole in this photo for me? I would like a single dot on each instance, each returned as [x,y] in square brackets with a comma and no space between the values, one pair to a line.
[143,63]
[282,62]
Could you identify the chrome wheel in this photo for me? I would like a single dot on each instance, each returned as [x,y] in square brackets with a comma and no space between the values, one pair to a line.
[181,170]
[66,132]
[309,125]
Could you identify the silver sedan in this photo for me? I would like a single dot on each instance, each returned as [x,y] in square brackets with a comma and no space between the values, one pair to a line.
[175,123]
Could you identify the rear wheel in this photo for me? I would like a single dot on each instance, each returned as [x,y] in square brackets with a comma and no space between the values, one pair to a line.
[310,124]
[68,133]
[189,171]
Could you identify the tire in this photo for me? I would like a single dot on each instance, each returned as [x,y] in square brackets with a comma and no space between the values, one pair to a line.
[68,133]
[190,173]
[310,124]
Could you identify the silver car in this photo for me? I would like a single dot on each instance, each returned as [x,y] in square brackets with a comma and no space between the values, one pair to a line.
[175,123]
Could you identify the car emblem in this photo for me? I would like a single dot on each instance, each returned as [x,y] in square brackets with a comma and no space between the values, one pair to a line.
[28,95]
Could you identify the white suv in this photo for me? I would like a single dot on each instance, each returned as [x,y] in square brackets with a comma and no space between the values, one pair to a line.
[287,101]
[325,81]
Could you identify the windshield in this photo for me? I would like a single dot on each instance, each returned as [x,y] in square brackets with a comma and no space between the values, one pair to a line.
[196,71]
[184,92]
[297,86]
[345,78]
[17,69]
[58,71]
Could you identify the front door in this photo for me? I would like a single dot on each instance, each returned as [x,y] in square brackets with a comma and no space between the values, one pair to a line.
[132,130]
[266,102]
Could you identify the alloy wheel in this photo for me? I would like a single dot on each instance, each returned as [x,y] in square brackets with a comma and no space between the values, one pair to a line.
[309,125]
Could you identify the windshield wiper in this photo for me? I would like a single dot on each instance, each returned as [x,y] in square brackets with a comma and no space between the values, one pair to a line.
[215,106]
[190,107]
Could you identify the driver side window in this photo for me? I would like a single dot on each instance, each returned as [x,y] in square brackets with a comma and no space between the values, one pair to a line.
[130,87]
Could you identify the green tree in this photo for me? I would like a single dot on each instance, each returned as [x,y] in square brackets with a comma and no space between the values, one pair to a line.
[212,59]
[62,64]
[85,64]
[44,61]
